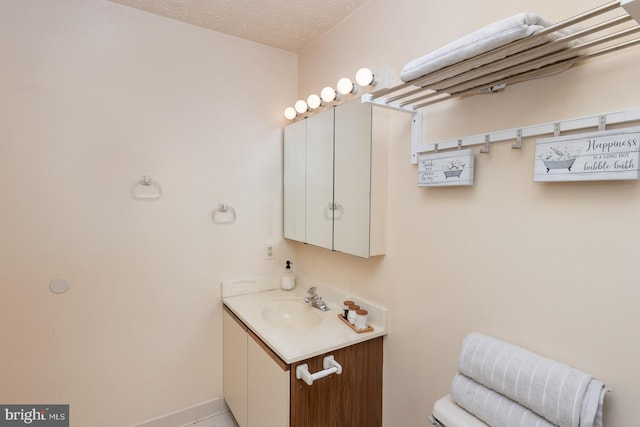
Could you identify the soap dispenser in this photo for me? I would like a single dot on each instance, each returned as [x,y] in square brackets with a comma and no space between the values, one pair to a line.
[288,278]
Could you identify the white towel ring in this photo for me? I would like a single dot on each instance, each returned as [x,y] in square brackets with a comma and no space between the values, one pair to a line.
[225,214]
[144,188]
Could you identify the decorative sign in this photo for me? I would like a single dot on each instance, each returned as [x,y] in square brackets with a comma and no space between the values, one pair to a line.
[446,168]
[597,156]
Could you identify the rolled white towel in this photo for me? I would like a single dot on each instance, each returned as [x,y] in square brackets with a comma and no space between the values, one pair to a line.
[553,390]
[483,40]
[491,407]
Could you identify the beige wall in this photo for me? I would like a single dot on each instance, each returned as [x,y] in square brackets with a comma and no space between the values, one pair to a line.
[552,267]
[92,95]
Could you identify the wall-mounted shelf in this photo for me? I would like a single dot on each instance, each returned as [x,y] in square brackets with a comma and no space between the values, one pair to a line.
[597,32]
[524,59]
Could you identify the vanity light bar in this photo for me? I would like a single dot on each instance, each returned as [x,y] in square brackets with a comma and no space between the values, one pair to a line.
[345,86]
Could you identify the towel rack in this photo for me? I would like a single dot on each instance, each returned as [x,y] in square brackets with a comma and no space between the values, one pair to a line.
[513,63]
[225,214]
[144,188]
[522,60]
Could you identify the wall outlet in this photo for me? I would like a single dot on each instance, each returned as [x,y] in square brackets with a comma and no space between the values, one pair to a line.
[269,252]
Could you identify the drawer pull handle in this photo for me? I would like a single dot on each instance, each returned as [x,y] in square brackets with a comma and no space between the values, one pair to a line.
[330,367]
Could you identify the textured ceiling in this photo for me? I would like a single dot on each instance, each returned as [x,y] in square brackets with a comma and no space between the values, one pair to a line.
[284,24]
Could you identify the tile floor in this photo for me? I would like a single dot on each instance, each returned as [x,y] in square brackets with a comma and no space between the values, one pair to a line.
[223,419]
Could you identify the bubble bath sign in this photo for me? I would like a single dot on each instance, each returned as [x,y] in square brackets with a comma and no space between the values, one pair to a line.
[597,156]
[446,169]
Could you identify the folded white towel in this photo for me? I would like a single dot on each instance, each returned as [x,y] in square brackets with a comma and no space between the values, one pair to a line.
[487,38]
[491,407]
[551,389]
[592,405]
[450,414]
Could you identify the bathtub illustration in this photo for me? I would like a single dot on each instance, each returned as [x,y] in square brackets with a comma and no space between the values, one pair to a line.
[453,169]
[452,173]
[559,164]
[558,158]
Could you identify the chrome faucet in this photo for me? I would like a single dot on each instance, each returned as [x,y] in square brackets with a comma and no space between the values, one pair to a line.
[315,300]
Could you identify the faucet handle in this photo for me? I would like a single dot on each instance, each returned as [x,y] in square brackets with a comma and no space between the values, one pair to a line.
[311,291]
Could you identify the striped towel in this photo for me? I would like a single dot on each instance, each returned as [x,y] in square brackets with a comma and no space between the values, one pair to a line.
[565,396]
[491,407]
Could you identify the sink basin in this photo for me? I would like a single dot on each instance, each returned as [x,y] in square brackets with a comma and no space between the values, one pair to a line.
[291,315]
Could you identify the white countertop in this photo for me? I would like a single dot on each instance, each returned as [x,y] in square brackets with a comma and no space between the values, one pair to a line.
[247,298]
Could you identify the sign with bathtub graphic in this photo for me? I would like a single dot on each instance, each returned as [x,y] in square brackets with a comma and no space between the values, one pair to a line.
[446,168]
[596,156]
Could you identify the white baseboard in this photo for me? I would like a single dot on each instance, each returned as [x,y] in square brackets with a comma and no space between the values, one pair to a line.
[188,415]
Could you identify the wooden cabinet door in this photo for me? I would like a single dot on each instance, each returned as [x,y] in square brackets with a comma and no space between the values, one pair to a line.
[352,399]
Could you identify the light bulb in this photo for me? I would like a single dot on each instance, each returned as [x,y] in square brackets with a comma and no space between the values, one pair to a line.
[345,86]
[314,101]
[365,77]
[328,94]
[301,106]
[290,113]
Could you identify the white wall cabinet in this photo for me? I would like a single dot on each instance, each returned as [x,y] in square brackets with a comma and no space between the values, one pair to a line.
[345,173]
[255,386]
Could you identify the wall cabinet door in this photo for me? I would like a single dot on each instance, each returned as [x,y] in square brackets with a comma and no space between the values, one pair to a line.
[352,178]
[295,141]
[319,180]
[360,178]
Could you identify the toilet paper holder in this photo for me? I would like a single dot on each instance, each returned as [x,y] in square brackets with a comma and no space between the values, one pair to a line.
[330,367]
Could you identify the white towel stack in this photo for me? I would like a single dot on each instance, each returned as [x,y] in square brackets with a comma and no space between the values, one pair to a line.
[501,383]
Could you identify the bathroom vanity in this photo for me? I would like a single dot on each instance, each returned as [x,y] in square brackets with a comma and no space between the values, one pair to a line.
[268,338]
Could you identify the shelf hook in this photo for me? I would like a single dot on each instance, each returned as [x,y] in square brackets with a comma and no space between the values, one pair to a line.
[485,149]
[518,144]
[602,123]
